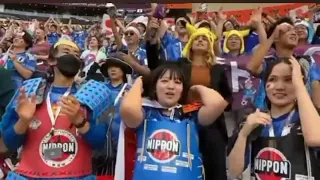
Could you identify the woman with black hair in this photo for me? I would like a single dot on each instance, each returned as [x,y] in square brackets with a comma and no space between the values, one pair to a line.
[167,134]
[116,74]
[199,67]
[283,37]
[277,143]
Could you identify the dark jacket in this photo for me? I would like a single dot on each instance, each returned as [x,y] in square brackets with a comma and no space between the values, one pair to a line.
[93,75]
[213,139]
[7,89]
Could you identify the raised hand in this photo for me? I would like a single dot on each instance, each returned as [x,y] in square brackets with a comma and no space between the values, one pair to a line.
[26,107]
[70,106]
[254,120]
[297,77]
[221,15]
[256,17]
[280,29]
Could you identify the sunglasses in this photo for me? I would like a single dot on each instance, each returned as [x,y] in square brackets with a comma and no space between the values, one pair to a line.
[129,33]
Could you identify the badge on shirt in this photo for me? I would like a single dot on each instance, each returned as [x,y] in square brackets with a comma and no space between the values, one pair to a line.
[35,124]
[53,153]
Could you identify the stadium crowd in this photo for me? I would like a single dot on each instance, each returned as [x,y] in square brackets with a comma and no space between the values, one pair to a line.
[197,99]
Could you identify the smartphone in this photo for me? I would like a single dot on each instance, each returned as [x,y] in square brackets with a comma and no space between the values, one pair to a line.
[160,12]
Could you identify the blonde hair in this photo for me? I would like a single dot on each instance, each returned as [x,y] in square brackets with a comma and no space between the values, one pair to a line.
[211,58]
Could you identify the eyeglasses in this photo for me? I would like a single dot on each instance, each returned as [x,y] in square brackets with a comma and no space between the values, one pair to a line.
[129,33]
[300,28]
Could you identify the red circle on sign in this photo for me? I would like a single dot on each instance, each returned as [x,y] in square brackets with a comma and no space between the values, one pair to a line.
[108,23]
[275,156]
[163,155]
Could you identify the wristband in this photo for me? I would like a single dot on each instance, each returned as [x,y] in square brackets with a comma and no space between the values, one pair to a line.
[82,124]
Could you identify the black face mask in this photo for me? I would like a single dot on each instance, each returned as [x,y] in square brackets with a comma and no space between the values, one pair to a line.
[68,65]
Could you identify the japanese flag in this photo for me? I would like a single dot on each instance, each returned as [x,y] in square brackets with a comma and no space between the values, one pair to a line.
[106,23]
[294,13]
[4,58]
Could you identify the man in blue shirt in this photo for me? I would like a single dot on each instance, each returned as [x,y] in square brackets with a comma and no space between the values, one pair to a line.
[53,35]
[171,45]
[132,53]
[52,28]
[284,38]
[19,61]
[79,35]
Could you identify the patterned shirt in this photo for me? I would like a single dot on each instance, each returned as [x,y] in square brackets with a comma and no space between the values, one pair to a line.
[79,37]
[53,37]
[141,56]
[27,61]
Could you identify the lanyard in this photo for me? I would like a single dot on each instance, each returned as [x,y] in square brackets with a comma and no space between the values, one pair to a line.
[285,127]
[180,46]
[53,117]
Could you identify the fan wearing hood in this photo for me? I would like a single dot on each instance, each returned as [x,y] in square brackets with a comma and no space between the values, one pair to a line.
[233,44]
[211,26]
[160,116]
[302,28]
[244,41]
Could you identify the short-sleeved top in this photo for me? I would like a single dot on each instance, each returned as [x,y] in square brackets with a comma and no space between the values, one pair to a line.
[141,56]
[251,41]
[53,37]
[27,61]
[79,37]
[172,47]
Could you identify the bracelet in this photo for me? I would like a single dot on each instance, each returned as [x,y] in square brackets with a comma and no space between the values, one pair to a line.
[82,124]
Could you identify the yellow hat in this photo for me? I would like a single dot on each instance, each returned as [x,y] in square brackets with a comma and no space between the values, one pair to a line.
[244,33]
[66,42]
[194,33]
[228,35]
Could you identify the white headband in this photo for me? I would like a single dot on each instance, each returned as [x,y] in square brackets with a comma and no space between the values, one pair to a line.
[181,19]
[135,30]
[304,23]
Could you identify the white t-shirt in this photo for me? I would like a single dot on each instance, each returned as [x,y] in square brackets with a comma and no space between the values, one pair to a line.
[89,57]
